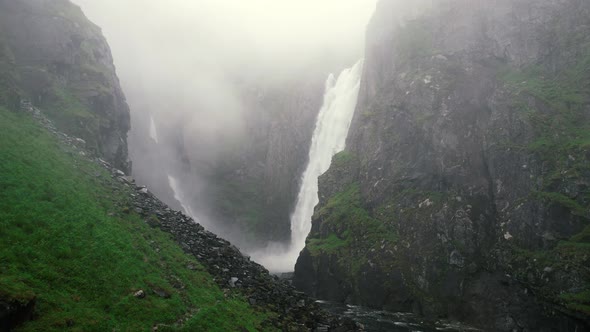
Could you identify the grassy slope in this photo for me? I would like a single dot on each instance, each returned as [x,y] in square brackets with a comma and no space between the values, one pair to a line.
[65,239]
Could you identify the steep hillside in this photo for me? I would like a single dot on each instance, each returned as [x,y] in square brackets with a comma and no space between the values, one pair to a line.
[51,54]
[74,254]
[464,190]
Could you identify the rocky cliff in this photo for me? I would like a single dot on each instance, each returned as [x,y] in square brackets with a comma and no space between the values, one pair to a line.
[464,190]
[50,53]
[255,184]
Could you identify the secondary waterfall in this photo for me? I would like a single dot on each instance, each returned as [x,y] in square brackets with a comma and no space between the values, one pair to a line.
[153,131]
[179,197]
[329,137]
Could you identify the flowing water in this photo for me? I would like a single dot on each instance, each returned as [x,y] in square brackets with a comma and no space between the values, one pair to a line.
[179,197]
[153,131]
[329,138]
[376,320]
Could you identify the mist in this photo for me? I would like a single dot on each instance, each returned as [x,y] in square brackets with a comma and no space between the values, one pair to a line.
[174,40]
[184,66]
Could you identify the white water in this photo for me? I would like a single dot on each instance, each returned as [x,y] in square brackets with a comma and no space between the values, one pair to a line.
[153,131]
[179,197]
[329,138]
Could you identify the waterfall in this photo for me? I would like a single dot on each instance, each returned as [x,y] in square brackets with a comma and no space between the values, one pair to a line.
[178,196]
[153,131]
[329,138]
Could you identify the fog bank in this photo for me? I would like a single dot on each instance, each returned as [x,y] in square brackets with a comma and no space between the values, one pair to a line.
[184,66]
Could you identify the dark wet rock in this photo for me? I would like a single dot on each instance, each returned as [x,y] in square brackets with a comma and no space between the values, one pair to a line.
[461,192]
[232,281]
[15,312]
[62,60]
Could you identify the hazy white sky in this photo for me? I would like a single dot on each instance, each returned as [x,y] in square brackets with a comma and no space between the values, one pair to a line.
[192,51]
[231,32]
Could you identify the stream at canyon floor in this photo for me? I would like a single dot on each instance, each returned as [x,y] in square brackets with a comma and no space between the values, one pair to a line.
[377,320]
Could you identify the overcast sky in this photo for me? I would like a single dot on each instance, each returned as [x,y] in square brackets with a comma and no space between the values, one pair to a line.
[183,57]
[229,33]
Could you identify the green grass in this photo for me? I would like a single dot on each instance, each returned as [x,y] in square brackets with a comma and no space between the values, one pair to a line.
[66,240]
[71,116]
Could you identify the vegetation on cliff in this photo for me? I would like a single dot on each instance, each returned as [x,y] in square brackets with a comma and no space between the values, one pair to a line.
[555,104]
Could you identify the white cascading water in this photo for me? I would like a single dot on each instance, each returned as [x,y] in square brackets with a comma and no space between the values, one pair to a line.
[179,197]
[153,131]
[329,138]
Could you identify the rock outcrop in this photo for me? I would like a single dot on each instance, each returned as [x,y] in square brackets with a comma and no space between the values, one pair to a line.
[51,54]
[15,312]
[463,192]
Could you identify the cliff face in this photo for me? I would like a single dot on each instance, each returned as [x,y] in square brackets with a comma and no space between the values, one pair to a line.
[254,186]
[244,179]
[464,190]
[51,54]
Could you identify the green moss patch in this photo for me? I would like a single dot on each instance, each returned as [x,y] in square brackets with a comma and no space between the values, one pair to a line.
[329,245]
[562,200]
[349,231]
[570,255]
[555,105]
[343,158]
[578,301]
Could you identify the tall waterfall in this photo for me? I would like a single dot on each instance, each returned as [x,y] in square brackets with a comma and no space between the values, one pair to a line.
[329,138]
